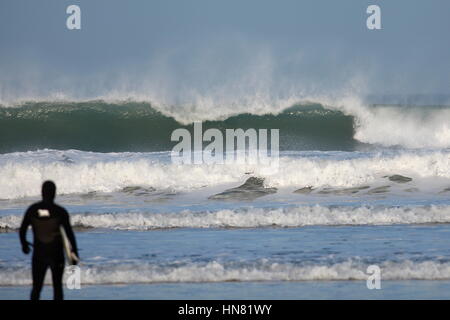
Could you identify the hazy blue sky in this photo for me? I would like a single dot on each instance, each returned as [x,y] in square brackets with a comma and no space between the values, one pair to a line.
[171,45]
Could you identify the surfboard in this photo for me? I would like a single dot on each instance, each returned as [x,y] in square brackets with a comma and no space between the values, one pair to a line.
[71,257]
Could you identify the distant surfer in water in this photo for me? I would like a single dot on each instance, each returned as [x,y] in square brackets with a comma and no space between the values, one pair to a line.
[46,219]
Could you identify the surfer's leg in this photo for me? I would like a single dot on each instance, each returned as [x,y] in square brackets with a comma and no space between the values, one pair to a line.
[57,268]
[38,270]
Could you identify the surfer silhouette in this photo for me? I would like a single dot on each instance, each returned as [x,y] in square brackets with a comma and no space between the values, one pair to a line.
[49,222]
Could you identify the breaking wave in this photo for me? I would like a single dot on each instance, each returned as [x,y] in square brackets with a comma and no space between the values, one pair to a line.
[261,270]
[22,173]
[140,126]
[255,218]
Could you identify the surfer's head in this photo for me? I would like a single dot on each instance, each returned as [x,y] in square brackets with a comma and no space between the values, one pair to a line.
[48,191]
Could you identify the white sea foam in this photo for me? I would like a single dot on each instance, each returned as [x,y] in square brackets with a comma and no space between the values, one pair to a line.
[21,174]
[256,218]
[214,271]
[399,125]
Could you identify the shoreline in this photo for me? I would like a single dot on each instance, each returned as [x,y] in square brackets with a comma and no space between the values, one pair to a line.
[305,290]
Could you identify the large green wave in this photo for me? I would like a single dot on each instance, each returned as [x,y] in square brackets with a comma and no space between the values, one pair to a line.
[135,126]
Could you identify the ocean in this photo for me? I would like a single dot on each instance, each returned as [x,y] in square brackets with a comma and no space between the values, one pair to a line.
[358,184]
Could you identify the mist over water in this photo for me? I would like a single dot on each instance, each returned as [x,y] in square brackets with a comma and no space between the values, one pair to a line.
[208,62]
[128,81]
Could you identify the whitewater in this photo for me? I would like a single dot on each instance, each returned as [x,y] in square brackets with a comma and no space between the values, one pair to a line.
[357,184]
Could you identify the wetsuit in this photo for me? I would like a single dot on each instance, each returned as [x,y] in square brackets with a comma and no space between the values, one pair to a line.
[45,218]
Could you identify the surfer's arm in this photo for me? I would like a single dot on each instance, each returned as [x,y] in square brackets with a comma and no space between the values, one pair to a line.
[69,232]
[23,231]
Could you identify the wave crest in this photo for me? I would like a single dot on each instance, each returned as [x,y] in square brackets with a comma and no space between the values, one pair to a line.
[142,126]
[264,270]
[255,218]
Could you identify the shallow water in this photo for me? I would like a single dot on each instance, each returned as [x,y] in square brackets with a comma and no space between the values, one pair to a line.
[336,290]
[145,224]
[268,255]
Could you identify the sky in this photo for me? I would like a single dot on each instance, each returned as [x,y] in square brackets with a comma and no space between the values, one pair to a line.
[177,50]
